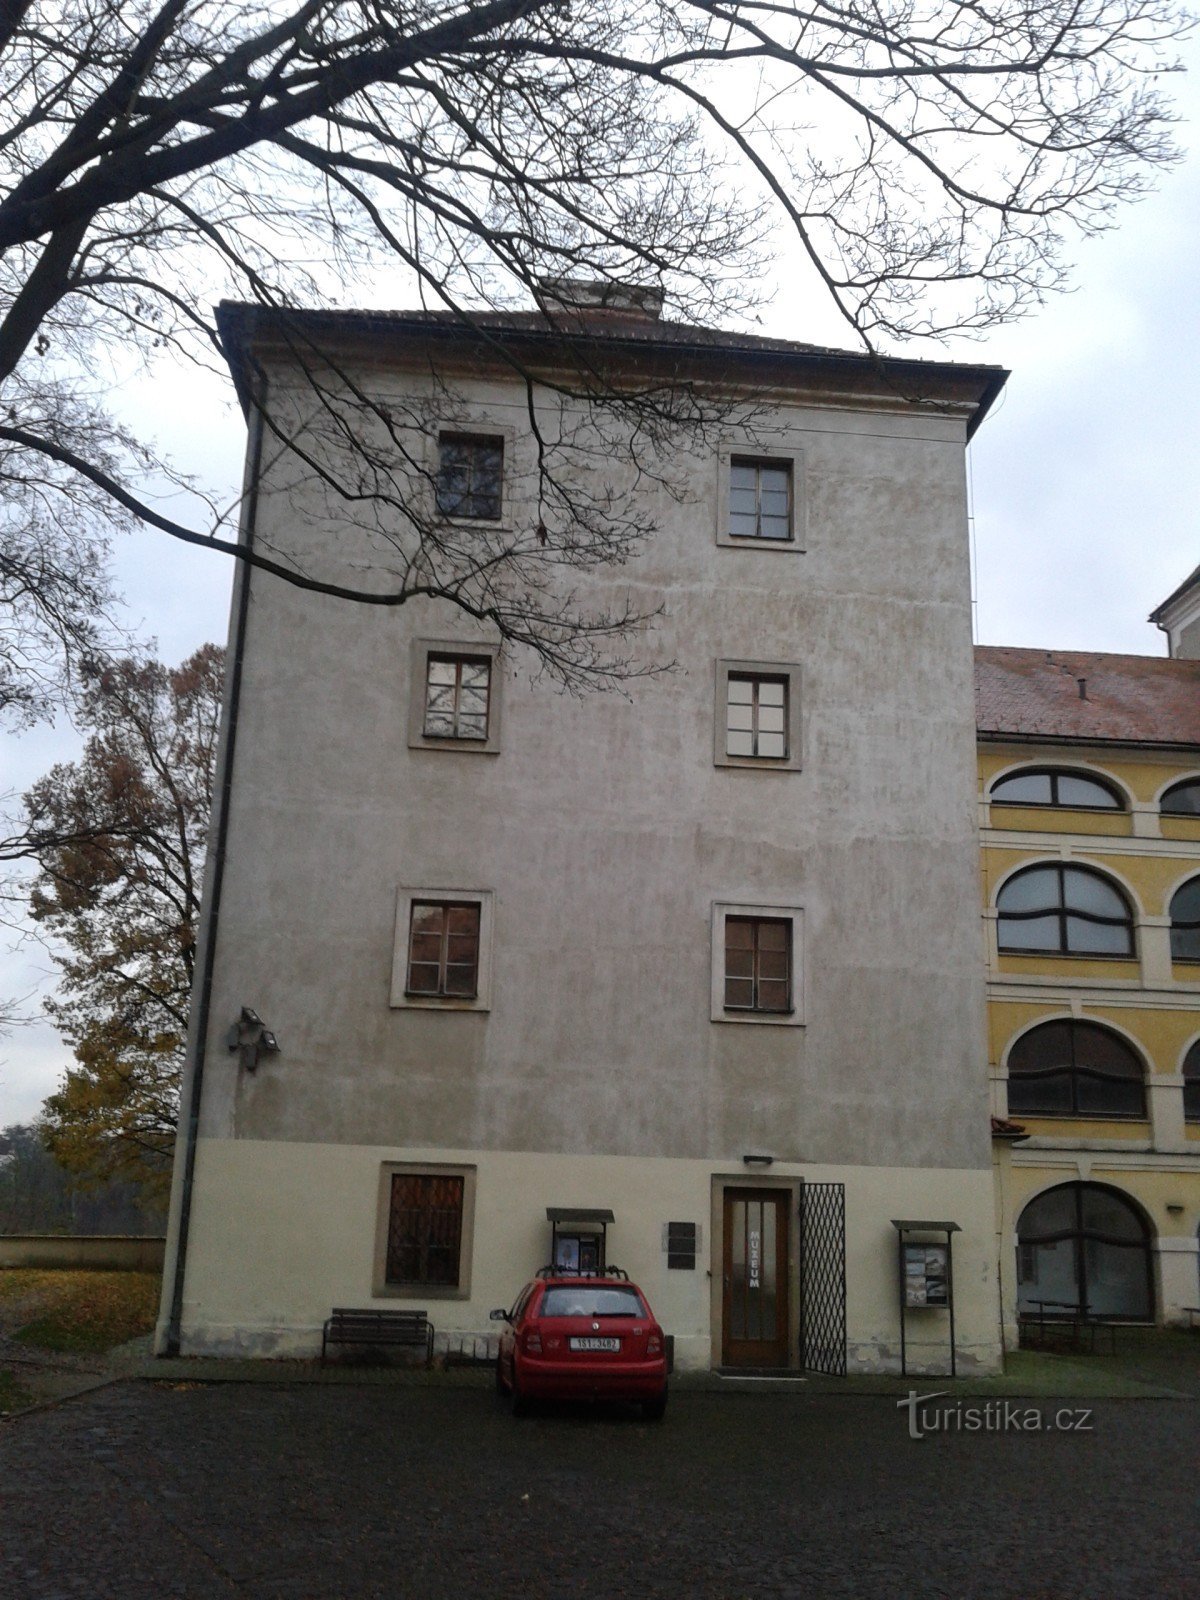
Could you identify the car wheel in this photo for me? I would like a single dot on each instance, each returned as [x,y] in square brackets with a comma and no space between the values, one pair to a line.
[655,1410]
[501,1386]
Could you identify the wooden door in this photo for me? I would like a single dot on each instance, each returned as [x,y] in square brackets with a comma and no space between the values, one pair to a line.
[755,1298]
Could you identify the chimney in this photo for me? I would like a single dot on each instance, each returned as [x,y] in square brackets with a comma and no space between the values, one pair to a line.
[591,295]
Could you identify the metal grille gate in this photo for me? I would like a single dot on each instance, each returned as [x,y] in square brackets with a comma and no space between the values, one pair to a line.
[823,1278]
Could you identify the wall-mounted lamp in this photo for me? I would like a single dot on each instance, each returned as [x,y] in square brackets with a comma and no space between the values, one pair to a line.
[757,1159]
[1174,1207]
[251,1039]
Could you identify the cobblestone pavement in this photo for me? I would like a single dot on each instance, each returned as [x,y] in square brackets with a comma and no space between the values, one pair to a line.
[426,1491]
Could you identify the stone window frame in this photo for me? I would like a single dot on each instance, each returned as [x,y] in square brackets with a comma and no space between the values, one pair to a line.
[788,670]
[476,425]
[466,650]
[766,454]
[400,999]
[381,1289]
[721,910]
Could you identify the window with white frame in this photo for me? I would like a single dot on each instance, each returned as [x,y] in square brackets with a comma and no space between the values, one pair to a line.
[757,715]
[757,964]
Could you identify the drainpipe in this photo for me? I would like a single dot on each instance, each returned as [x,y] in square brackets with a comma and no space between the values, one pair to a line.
[191,1125]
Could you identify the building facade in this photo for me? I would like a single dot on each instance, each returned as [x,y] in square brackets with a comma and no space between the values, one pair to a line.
[1089,769]
[626,976]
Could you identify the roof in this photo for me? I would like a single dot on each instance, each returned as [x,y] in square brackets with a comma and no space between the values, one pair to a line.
[718,353]
[1175,594]
[1084,697]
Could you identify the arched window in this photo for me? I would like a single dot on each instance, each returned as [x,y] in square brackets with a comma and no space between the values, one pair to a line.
[1052,786]
[1074,1069]
[1185,922]
[1057,909]
[1191,1084]
[1084,1248]
[1182,799]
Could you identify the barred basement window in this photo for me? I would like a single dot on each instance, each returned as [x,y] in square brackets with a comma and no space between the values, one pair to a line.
[443,950]
[681,1241]
[425,1220]
[456,697]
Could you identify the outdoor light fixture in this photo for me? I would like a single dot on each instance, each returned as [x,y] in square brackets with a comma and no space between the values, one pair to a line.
[1174,1207]
[251,1040]
[756,1159]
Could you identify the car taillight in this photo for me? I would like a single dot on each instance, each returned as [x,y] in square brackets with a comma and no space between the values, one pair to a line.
[654,1345]
[533,1343]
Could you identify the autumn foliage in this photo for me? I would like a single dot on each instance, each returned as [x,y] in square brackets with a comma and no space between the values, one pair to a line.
[120,838]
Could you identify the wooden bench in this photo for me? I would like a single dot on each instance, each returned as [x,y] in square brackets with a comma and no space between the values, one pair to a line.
[349,1325]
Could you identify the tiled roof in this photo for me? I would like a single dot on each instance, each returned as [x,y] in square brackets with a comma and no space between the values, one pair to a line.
[1086,697]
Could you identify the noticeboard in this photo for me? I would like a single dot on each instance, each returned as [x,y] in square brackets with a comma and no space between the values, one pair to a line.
[926,1276]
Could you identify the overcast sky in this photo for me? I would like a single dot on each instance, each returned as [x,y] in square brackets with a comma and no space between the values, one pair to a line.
[1084,490]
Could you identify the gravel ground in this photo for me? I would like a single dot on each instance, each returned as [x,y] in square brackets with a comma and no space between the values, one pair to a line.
[194,1490]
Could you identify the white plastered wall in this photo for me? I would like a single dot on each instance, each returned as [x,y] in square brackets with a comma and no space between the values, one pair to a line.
[284,1231]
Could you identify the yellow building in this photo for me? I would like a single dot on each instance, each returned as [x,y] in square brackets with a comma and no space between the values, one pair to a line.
[1089,772]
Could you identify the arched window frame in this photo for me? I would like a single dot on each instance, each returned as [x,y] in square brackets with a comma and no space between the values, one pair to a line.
[1075,1071]
[1191,1082]
[1085,1235]
[1119,800]
[1063,913]
[1185,931]
[1174,788]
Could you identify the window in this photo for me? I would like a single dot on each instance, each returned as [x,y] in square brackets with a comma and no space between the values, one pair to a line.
[424,1228]
[443,949]
[1185,922]
[1084,1248]
[1182,799]
[1049,786]
[442,954]
[1074,1069]
[757,964]
[470,476]
[757,715]
[1191,1084]
[681,1241]
[760,499]
[1063,910]
[456,697]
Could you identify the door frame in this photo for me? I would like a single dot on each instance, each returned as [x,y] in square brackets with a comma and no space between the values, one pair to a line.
[747,1179]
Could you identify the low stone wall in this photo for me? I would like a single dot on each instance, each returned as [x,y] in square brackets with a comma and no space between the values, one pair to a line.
[119,1251]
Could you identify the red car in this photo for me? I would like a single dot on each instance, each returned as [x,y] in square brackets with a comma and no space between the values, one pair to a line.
[571,1337]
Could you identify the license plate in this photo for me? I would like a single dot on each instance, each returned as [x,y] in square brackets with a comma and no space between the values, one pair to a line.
[595,1344]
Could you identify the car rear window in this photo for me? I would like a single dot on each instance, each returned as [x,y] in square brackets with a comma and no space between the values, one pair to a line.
[592,1300]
